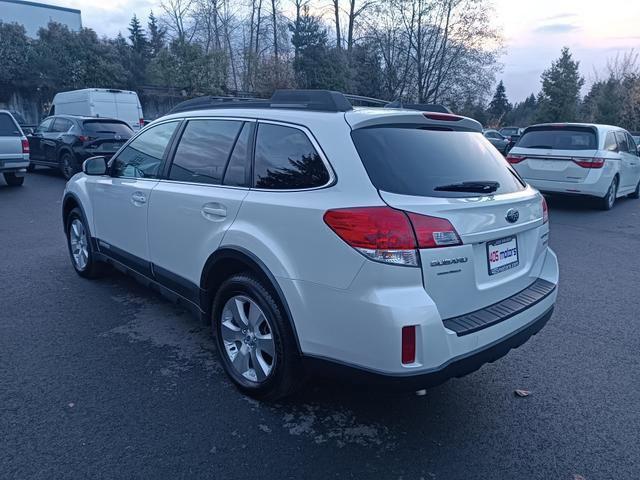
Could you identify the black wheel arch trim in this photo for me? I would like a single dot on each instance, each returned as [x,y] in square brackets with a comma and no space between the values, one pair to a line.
[65,200]
[242,254]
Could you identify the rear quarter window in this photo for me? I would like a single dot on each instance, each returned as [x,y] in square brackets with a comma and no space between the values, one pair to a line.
[559,138]
[414,161]
[8,127]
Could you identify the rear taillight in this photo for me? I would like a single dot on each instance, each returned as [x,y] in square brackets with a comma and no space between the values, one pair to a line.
[545,211]
[515,158]
[433,232]
[83,138]
[25,146]
[387,235]
[589,162]
[408,344]
[142,122]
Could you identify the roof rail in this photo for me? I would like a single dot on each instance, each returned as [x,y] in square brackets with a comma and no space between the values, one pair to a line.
[317,100]
[423,107]
[359,99]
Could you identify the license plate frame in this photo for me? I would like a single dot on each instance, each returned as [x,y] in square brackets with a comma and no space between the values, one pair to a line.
[503,267]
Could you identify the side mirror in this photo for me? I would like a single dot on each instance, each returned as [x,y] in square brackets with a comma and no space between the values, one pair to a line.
[95,166]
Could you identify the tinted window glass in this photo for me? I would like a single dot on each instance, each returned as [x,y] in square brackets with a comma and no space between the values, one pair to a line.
[559,138]
[493,135]
[142,157]
[61,125]
[236,173]
[414,161]
[97,126]
[44,126]
[203,151]
[509,131]
[610,143]
[7,126]
[622,142]
[286,159]
[633,148]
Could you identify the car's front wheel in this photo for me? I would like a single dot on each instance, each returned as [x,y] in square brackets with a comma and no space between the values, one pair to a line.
[255,341]
[609,200]
[13,180]
[81,251]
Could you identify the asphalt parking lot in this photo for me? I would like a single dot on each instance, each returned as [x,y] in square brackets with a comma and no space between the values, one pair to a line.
[105,379]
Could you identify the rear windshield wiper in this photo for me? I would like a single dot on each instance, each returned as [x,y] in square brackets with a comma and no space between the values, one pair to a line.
[548,147]
[473,187]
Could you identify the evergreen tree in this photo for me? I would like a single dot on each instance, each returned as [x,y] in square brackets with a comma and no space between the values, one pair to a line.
[499,105]
[560,94]
[139,53]
[157,36]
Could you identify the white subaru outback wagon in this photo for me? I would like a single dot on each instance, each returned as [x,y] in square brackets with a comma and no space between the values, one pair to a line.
[391,244]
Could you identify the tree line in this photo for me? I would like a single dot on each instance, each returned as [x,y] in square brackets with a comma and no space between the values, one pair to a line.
[423,50]
[430,51]
[613,98]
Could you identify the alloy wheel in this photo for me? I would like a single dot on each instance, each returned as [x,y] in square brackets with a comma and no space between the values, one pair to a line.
[248,339]
[79,244]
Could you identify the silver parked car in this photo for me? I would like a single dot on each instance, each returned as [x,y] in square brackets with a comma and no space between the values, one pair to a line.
[14,150]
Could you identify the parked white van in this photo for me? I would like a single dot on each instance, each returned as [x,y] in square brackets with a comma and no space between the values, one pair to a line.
[100,102]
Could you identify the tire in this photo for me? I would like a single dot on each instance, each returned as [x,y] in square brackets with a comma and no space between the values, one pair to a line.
[12,179]
[261,367]
[608,201]
[636,193]
[31,168]
[80,246]
[68,165]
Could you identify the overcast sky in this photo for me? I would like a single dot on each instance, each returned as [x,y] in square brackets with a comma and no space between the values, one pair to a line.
[534,32]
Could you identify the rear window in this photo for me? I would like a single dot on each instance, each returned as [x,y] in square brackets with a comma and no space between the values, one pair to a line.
[8,127]
[559,138]
[96,126]
[415,161]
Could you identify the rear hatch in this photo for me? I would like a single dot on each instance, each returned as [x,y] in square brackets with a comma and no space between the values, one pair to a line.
[458,176]
[555,152]
[10,138]
[104,137]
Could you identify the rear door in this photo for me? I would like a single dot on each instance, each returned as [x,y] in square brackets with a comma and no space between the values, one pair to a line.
[635,162]
[10,139]
[417,169]
[628,162]
[549,152]
[197,200]
[53,138]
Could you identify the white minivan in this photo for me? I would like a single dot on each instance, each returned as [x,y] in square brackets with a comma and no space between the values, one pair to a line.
[100,102]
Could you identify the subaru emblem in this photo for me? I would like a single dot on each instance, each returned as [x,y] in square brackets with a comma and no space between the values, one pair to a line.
[512,215]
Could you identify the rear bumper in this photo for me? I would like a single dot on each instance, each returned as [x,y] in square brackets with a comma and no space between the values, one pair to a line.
[596,184]
[14,165]
[456,367]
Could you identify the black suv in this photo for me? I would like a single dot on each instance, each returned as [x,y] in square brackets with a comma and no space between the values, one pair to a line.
[65,141]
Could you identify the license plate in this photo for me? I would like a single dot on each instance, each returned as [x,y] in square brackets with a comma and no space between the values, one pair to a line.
[502,254]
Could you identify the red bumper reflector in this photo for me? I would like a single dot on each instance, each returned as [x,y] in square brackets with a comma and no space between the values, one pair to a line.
[408,344]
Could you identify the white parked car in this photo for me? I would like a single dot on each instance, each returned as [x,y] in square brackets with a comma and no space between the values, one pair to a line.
[390,243]
[600,161]
[14,150]
[100,103]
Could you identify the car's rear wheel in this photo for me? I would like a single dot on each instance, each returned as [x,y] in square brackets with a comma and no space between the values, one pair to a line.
[609,200]
[254,339]
[636,193]
[81,251]
[68,165]
[13,180]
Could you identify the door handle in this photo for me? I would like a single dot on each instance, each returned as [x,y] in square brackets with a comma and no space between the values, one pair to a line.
[138,198]
[214,211]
